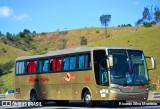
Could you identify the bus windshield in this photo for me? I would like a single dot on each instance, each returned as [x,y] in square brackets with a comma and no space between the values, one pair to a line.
[129,67]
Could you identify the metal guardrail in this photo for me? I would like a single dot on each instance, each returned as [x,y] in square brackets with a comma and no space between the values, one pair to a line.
[4,95]
[156,94]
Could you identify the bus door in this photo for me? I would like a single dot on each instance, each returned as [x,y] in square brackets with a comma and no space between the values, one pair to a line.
[101,72]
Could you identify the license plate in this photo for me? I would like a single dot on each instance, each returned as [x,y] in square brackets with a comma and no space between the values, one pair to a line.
[132,96]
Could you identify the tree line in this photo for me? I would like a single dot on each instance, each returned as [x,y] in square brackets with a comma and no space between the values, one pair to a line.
[150,16]
[21,34]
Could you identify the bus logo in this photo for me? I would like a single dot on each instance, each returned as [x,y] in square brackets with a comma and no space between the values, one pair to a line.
[68,77]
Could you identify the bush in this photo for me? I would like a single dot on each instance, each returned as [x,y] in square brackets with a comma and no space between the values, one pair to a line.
[4,40]
[62,43]
[3,88]
[43,33]
[83,40]
[9,38]
[145,24]
[97,31]
[4,50]
[6,67]
[28,39]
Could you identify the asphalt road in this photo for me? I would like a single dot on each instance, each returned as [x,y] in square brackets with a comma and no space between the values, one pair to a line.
[81,105]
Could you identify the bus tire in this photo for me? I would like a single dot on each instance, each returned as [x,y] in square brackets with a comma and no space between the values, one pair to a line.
[88,100]
[33,96]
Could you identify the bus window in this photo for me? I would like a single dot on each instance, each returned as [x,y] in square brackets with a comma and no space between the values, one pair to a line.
[59,64]
[46,66]
[31,66]
[20,67]
[66,63]
[72,63]
[17,65]
[81,62]
[84,61]
[87,61]
[40,64]
[53,64]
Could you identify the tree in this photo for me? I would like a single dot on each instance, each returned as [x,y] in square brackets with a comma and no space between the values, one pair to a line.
[140,21]
[157,14]
[0,33]
[21,34]
[105,19]
[8,34]
[146,15]
[26,31]
[34,32]
[83,40]
[150,16]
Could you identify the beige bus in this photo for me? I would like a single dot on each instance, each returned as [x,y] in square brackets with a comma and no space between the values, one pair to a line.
[91,74]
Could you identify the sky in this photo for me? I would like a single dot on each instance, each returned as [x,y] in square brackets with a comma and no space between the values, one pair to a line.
[54,15]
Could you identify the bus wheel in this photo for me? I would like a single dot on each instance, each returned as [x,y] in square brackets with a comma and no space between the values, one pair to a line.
[88,100]
[33,96]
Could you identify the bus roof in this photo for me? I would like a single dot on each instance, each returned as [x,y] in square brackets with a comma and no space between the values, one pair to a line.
[71,50]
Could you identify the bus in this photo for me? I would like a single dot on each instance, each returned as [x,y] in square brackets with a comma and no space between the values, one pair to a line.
[91,74]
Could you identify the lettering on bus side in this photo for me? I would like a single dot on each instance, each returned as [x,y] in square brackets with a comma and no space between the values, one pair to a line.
[33,79]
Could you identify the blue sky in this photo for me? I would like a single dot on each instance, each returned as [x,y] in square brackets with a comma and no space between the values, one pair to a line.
[51,15]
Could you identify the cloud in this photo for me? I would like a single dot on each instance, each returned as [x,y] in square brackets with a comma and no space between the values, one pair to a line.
[136,3]
[22,16]
[5,11]
[8,12]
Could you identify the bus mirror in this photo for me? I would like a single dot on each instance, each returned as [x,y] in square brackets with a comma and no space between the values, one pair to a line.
[153,62]
[110,58]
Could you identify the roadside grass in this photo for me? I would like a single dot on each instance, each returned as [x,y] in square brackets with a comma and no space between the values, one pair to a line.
[8,79]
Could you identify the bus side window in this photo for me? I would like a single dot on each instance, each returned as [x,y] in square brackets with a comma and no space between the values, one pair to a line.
[72,63]
[53,64]
[34,66]
[59,64]
[66,63]
[87,61]
[46,65]
[31,67]
[22,68]
[81,62]
[84,61]
[17,68]
[40,64]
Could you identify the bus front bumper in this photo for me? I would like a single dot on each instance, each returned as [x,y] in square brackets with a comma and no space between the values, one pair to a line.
[140,96]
